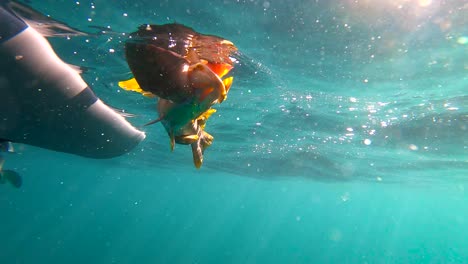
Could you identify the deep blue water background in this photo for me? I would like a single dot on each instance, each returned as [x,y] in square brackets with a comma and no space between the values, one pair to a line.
[343,140]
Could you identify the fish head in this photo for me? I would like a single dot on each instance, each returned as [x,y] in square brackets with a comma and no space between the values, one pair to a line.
[208,88]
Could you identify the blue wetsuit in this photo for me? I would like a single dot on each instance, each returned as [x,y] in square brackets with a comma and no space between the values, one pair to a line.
[46,103]
[11,25]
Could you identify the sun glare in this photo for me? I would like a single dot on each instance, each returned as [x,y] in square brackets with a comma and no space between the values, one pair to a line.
[425,3]
[408,14]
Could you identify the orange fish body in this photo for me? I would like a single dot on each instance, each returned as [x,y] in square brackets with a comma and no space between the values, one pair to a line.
[186,70]
[176,63]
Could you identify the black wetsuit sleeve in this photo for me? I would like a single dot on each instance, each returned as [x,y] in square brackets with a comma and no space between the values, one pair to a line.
[10,24]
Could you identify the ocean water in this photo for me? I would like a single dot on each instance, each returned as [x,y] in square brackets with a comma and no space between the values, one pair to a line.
[343,140]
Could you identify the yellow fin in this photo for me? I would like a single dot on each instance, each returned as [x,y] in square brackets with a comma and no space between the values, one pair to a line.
[191,137]
[148,94]
[208,113]
[207,140]
[204,117]
[132,85]
[187,139]
[227,83]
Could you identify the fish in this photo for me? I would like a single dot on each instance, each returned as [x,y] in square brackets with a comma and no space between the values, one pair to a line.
[174,62]
[192,133]
[187,71]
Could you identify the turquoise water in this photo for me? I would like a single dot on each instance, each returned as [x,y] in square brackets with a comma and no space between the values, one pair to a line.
[343,140]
